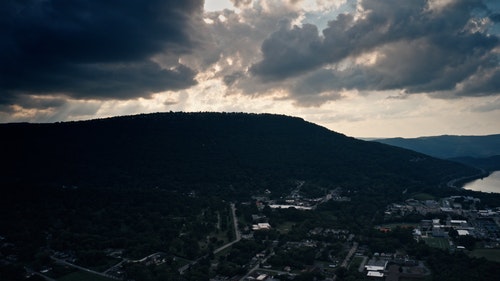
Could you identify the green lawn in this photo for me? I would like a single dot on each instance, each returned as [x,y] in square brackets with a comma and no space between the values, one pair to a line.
[355,263]
[285,227]
[423,196]
[83,276]
[441,243]
[489,254]
[401,224]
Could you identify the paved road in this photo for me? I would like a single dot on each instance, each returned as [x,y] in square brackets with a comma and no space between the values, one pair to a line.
[44,276]
[83,268]
[185,267]
[257,267]
[452,182]
[236,231]
[237,235]
[249,272]
[362,264]
[114,266]
[349,255]
[235,222]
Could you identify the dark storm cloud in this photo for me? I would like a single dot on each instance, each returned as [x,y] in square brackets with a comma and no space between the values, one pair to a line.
[44,103]
[289,52]
[106,81]
[419,50]
[30,102]
[93,49]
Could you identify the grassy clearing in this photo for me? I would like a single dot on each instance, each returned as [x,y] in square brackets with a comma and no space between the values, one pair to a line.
[355,263]
[223,252]
[489,254]
[285,227]
[423,197]
[83,276]
[401,224]
[441,243]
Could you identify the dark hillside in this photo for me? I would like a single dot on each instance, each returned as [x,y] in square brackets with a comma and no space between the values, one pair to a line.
[489,163]
[450,146]
[477,151]
[207,150]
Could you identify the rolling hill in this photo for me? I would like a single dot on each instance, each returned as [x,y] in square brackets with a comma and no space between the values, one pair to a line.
[477,151]
[206,151]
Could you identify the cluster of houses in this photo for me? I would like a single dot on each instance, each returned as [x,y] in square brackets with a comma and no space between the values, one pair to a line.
[261,226]
[453,205]
[382,266]
[481,228]
[437,228]
[297,201]
[480,223]
[338,234]
[260,222]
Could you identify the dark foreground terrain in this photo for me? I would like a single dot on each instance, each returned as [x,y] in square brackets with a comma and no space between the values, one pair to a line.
[198,196]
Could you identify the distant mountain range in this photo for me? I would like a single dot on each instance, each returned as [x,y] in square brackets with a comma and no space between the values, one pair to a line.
[479,151]
[217,151]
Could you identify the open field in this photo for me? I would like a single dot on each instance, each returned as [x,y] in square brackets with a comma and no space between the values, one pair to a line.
[423,196]
[355,263]
[285,227]
[441,243]
[489,254]
[401,224]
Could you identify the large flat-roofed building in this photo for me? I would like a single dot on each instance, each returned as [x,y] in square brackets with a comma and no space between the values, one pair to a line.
[261,226]
[375,274]
[376,267]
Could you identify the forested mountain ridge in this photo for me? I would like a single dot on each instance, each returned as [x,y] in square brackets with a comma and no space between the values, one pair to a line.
[207,150]
[477,151]
[448,146]
[162,183]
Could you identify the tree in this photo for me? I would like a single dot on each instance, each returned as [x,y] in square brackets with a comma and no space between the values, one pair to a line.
[453,233]
[267,211]
[341,272]
[467,241]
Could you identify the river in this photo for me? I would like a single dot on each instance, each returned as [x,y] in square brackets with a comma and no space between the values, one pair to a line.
[488,184]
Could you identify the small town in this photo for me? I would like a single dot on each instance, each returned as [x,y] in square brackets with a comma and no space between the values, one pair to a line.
[456,223]
[481,224]
[250,140]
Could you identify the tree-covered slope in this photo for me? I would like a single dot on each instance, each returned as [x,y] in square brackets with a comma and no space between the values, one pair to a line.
[207,150]
[450,146]
[488,163]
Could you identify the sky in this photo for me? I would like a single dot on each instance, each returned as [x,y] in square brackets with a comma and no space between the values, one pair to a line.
[364,68]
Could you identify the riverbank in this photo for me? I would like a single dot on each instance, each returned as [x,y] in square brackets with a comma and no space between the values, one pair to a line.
[490,183]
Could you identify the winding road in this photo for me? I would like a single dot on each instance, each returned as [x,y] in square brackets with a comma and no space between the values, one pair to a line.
[236,233]
[452,182]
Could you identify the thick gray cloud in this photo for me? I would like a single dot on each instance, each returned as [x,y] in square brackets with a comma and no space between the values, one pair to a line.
[418,50]
[52,50]
[94,49]
[231,42]
[241,3]
[289,52]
